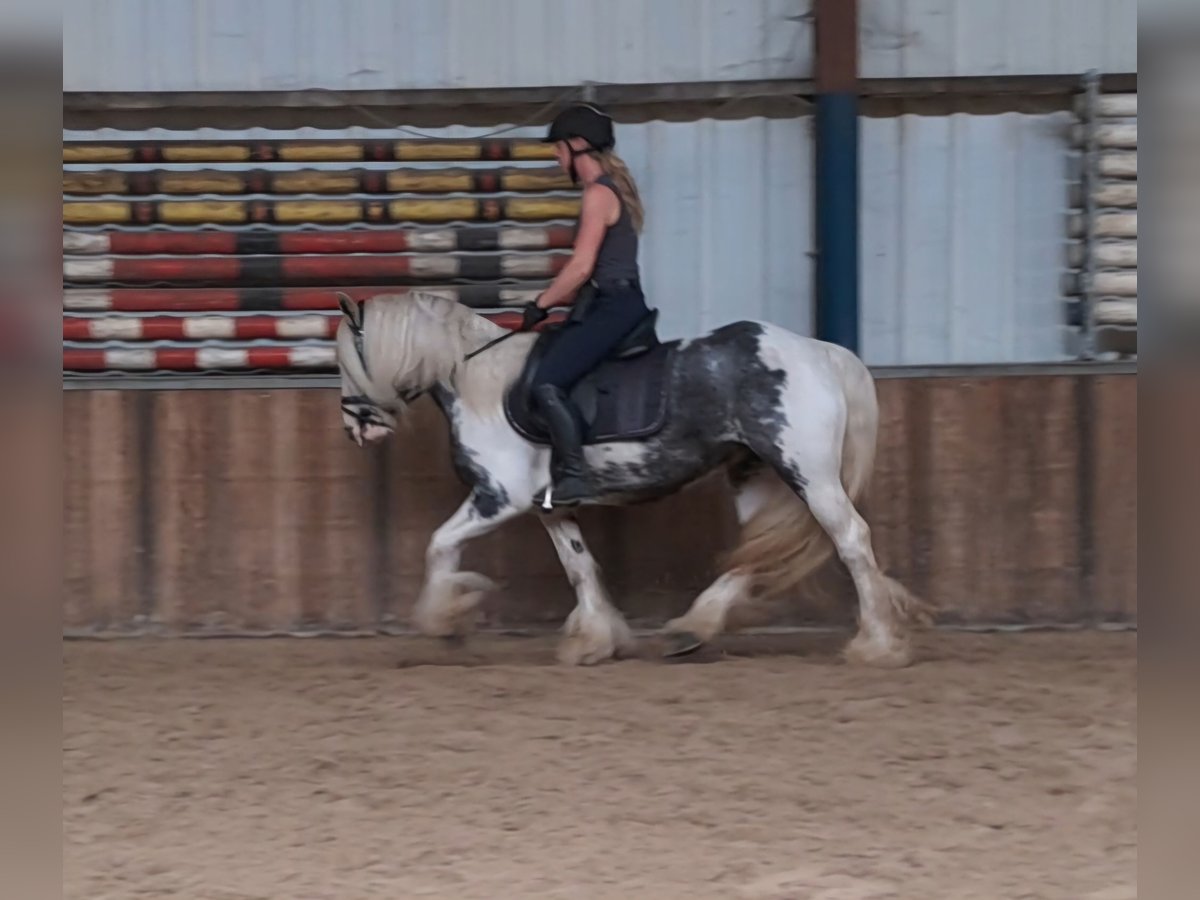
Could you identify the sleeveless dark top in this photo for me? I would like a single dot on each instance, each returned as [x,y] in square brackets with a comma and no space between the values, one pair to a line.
[617,257]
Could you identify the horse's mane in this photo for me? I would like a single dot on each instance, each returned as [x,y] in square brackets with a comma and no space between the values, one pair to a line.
[416,340]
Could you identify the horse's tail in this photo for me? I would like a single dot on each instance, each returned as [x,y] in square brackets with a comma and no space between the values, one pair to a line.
[781,545]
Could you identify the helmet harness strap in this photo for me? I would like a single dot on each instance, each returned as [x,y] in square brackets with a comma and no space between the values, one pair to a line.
[574,153]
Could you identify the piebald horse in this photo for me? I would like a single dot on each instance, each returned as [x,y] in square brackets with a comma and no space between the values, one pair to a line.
[791,420]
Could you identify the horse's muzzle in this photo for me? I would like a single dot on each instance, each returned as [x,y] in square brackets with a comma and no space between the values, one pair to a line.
[367,433]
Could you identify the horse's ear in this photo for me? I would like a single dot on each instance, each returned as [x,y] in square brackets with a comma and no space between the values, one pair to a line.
[351,309]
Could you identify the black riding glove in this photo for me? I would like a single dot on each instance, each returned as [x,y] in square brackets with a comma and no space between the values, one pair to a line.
[532,315]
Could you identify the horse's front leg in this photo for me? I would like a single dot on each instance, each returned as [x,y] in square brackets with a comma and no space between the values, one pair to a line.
[449,597]
[595,630]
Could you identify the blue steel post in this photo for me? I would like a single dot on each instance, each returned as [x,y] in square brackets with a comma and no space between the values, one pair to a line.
[837,172]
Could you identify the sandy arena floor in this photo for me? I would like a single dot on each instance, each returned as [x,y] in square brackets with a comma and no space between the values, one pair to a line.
[999,767]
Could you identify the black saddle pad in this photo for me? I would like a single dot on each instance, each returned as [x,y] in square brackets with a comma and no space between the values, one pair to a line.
[621,400]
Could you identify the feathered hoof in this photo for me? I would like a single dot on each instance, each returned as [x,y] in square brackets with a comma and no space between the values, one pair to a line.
[868,650]
[677,644]
[446,608]
[577,650]
[592,639]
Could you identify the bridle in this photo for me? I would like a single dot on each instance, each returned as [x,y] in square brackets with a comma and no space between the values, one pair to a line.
[360,407]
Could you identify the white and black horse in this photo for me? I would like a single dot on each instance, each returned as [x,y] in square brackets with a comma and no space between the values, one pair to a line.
[790,419]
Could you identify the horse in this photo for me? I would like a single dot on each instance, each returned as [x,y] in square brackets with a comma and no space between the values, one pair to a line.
[791,422]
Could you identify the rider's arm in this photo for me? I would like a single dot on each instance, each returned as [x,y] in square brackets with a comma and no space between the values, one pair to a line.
[598,207]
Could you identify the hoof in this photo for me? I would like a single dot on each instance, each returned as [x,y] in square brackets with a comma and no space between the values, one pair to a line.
[680,643]
[880,654]
[573,652]
[447,606]
[589,640]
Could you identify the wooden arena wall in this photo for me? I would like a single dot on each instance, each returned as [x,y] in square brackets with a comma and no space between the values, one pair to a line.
[1005,499]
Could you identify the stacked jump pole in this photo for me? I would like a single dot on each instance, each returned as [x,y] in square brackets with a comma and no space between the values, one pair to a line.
[226,256]
[1102,254]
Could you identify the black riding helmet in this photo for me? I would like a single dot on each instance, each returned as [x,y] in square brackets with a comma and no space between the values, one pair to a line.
[583,121]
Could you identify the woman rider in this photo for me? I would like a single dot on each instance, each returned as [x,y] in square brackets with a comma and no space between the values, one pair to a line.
[605,253]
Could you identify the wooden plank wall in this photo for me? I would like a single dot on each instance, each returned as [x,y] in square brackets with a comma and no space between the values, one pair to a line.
[1005,500]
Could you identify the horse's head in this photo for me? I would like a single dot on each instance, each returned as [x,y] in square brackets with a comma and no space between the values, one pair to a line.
[367,417]
[414,343]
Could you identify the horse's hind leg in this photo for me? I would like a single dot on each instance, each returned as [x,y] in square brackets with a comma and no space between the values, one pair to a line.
[882,638]
[706,617]
[595,630]
[752,482]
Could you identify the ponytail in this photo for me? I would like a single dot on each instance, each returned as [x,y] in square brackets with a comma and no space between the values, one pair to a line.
[616,169]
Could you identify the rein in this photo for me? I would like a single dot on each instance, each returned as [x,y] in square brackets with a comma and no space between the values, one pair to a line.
[490,344]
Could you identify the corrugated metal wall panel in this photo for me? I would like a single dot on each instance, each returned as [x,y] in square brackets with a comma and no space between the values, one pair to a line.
[963,238]
[231,45]
[729,220]
[939,38]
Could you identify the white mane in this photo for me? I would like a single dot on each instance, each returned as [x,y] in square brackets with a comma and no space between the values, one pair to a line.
[415,341]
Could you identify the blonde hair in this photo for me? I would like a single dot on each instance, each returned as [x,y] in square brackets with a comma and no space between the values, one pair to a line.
[616,169]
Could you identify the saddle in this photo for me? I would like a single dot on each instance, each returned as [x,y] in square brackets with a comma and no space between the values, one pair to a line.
[622,399]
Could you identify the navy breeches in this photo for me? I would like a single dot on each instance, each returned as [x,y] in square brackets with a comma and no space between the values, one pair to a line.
[581,345]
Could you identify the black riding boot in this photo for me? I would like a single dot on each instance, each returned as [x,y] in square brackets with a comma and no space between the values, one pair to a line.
[568,471]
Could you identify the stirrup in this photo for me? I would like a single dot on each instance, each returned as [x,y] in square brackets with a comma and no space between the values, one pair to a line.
[547,501]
